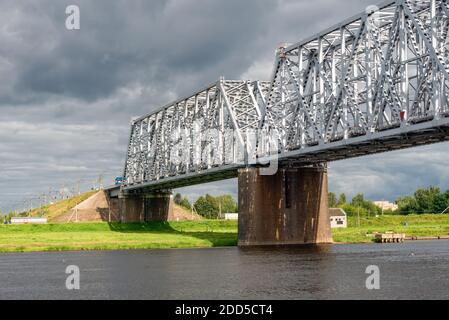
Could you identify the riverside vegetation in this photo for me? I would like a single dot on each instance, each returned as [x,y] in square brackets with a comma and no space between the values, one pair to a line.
[189,234]
[364,219]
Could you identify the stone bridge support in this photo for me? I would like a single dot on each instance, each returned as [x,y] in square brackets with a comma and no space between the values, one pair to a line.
[290,207]
[146,207]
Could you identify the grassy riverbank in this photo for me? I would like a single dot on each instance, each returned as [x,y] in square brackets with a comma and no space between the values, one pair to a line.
[104,236]
[198,234]
[413,225]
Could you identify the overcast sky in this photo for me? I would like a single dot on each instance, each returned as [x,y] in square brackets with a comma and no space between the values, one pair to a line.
[67,97]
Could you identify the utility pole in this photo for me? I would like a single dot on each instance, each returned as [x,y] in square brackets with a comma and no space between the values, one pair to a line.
[358,215]
[78,187]
[100,181]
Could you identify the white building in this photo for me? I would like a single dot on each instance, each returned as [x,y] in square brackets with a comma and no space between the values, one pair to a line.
[386,205]
[28,220]
[231,216]
[338,218]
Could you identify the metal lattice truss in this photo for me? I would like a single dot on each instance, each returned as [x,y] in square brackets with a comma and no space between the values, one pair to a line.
[370,74]
[376,82]
[207,130]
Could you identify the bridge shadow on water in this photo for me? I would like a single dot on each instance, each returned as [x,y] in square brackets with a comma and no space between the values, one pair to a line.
[217,239]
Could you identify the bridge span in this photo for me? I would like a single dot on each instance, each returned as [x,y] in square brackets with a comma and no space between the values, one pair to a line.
[374,83]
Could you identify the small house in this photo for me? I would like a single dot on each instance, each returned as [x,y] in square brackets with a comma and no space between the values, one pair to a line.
[338,218]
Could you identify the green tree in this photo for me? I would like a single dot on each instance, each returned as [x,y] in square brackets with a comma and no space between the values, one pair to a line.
[227,203]
[185,203]
[440,203]
[207,206]
[407,205]
[426,199]
[358,200]
[182,201]
[342,199]
[333,202]
[210,207]
[361,206]
[177,198]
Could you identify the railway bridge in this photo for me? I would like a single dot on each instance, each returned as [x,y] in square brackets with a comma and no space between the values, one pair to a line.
[374,83]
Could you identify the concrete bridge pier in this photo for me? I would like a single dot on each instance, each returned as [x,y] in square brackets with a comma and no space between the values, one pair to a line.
[288,208]
[145,207]
[131,208]
[158,206]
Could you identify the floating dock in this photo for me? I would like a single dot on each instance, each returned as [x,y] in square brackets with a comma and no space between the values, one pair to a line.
[389,237]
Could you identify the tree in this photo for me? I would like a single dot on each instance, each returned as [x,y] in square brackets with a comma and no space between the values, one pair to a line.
[430,200]
[360,206]
[177,198]
[440,203]
[227,203]
[426,198]
[407,205]
[182,201]
[185,203]
[333,202]
[342,199]
[207,206]
[358,200]
[210,207]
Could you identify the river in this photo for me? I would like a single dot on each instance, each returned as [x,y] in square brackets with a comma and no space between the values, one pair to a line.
[414,270]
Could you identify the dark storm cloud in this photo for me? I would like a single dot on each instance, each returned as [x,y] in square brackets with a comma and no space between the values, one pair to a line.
[67,97]
[122,42]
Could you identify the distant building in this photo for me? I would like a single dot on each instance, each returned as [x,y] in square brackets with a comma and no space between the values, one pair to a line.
[338,218]
[385,205]
[28,220]
[231,216]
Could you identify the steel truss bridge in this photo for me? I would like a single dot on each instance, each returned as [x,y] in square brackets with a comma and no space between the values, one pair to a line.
[374,83]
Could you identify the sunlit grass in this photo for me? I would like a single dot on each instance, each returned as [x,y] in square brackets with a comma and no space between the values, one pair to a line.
[104,236]
[412,225]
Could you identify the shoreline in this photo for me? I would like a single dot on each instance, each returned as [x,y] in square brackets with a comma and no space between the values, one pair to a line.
[194,235]
[118,249]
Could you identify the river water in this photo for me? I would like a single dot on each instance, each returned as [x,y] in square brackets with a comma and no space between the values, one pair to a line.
[414,270]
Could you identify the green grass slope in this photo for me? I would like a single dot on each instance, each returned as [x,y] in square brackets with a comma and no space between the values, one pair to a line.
[52,211]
